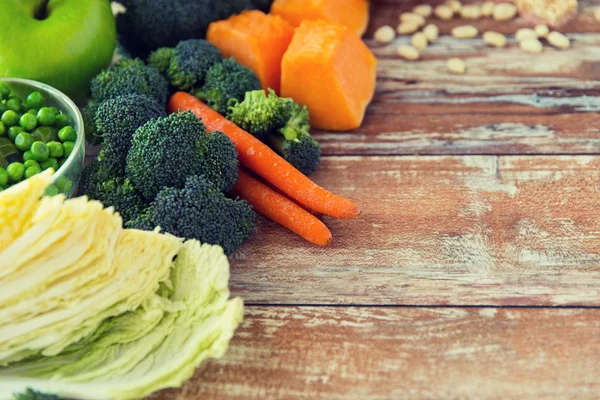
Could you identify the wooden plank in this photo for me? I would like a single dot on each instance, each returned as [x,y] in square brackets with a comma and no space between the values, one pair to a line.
[391,353]
[509,102]
[470,230]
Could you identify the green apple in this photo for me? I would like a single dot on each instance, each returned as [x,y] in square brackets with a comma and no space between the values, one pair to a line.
[63,43]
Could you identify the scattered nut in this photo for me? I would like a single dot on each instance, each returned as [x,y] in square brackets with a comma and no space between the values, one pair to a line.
[424,10]
[408,52]
[407,27]
[532,45]
[431,32]
[525,33]
[457,66]
[405,17]
[504,11]
[597,14]
[385,34]
[454,5]
[443,12]
[465,32]
[470,12]
[419,41]
[495,39]
[542,30]
[559,40]
[487,9]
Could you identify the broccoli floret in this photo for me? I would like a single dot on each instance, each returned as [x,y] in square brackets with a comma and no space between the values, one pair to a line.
[190,63]
[225,83]
[120,194]
[129,76]
[117,120]
[201,211]
[260,114]
[160,59]
[294,142]
[150,24]
[92,174]
[88,113]
[31,394]
[165,151]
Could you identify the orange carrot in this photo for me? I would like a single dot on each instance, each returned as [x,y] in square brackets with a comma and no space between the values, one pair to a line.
[258,157]
[281,209]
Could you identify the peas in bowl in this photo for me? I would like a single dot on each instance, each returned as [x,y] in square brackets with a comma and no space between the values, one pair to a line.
[40,128]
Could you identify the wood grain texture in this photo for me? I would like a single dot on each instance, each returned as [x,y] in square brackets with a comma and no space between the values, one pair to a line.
[400,353]
[509,102]
[470,230]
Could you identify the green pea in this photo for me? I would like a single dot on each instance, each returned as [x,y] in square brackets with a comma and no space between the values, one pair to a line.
[24,108]
[63,184]
[33,111]
[14,104]
[10,118]
[28,122]
[68,148]
[67,134]
[35,100]
[46,117]
[56,149]
[31,163]
[4,91]
[27,156]
[3,108]
[55,110]
[31,171]
[51,190]
[2,129]
[50,163]
[62,162]
[3,177]
[15,171]
[23,141]
[40,151]
[45,134]
[61,121]
[14,131]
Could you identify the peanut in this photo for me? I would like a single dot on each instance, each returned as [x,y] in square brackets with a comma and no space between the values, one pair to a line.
[406,17]
[432,32]
[495,39]
[407,27]
[457,66]
[525,33]
[408,52]
[465,32]
[597,14]
[487,9]
[385,34]
[504,11]
[454,5]
[419,41]
[532,45]
[424,10]
[470,12]
[443,12]
[559,40]
[542,30]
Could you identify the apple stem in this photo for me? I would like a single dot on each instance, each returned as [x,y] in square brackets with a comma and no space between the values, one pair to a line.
[42,9]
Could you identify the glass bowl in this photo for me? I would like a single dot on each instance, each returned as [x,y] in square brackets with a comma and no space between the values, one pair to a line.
[67,176]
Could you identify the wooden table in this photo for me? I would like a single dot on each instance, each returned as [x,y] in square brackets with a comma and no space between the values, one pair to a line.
[474,271]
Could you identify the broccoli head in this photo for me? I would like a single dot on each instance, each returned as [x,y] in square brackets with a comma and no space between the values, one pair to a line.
[260,114]
[226,82]
[294,142]
[147,25]
[31,394]
[117,120]
[165,151]
[126,77]
[160,59]
[88,113]
[190,62]
[92,174]
[200,211]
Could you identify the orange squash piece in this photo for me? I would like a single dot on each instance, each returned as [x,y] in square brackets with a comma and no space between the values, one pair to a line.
[332,72]
[256,40]
[352,13]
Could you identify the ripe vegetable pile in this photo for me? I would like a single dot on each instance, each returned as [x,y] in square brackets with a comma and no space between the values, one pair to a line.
[90,310]
[33,138]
